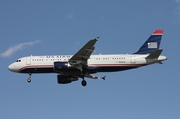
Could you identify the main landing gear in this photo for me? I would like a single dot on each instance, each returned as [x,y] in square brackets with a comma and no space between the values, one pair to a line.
[84,83]
[29,79]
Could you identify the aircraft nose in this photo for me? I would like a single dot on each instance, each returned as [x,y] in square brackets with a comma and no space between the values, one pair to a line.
[12,67]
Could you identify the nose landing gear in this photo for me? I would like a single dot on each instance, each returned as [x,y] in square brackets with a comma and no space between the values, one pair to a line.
[29,79]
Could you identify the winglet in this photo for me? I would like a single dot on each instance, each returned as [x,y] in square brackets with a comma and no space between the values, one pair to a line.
[103,77]
[155,54]
[97,38]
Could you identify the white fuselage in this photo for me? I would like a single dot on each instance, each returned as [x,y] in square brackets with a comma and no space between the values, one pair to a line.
[120,61]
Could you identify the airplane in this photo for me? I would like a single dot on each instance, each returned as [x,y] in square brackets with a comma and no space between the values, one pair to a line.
[83,64]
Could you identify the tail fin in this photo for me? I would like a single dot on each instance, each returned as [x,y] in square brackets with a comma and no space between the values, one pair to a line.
[152,44]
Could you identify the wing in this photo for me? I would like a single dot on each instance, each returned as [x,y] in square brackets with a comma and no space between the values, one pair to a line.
[81,57]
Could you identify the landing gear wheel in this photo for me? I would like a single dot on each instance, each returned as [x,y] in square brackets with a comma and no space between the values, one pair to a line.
[28,80]
[84,83]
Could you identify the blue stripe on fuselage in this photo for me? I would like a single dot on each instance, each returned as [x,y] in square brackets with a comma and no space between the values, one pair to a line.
[91,69]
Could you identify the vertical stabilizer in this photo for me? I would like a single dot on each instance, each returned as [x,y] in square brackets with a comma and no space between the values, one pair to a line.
[152,44]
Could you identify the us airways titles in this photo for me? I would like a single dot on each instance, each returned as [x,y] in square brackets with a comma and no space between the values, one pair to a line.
[59,56]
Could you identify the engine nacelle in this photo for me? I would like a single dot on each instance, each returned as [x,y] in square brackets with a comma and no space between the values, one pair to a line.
[61,66]
[64,79]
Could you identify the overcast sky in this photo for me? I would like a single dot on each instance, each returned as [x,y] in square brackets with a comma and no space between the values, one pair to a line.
[62,27]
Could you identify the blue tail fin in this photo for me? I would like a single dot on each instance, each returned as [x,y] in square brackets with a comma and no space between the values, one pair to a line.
[152,44]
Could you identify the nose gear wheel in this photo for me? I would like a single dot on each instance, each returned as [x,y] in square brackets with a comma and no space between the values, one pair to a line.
[29,79]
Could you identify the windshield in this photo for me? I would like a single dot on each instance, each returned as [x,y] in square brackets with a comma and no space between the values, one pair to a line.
[18,61]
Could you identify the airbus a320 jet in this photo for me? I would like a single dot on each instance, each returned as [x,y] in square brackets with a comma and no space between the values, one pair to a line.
[83,64]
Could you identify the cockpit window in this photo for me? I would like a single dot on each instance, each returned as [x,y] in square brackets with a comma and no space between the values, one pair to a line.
[18,61]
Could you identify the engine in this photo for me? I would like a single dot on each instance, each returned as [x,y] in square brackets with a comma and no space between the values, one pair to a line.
[61,66]
[64,79]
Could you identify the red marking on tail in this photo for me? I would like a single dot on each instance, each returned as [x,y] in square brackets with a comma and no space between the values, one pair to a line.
[158,32]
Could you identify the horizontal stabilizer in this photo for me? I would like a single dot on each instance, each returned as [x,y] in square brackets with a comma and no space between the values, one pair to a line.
[155,54]
[159,62]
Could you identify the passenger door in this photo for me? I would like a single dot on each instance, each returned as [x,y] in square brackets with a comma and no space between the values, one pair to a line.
[28,60]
